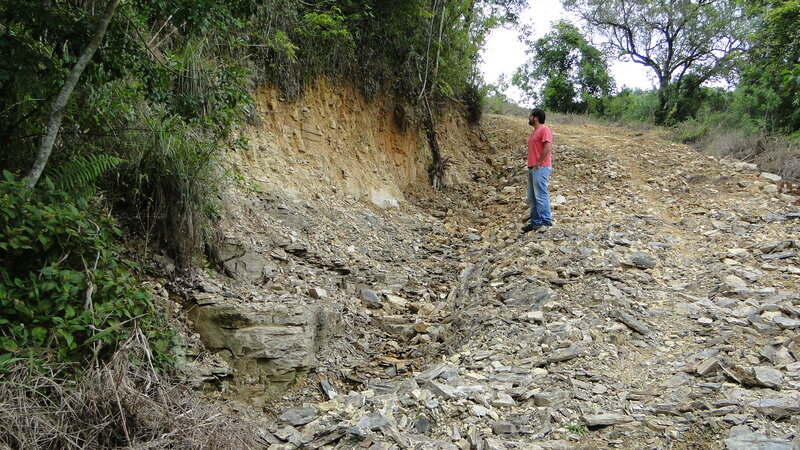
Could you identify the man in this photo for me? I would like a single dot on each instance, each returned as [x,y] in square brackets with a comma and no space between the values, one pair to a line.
[540,150]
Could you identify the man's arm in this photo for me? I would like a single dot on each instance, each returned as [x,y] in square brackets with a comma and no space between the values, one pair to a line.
[548,146]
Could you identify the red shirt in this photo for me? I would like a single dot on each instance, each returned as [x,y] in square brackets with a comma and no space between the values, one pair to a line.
[536,146]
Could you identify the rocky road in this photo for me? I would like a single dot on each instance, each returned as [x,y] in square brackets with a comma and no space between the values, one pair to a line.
[660,311]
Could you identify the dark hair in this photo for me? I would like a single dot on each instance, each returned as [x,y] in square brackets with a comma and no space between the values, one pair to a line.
[538,113]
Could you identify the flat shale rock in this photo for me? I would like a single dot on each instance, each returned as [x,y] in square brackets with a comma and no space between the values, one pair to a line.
[604,420]
[632,322]
[777,408]
[642,260]
[742,438]
[298,416]
[768,377]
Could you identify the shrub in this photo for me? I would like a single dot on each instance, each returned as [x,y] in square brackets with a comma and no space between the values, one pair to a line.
[65,291]
[775,154]
[473,98]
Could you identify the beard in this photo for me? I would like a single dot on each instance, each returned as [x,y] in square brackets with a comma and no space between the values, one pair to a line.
[530,122]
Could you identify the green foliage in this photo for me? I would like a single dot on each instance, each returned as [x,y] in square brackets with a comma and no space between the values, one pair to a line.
[574,73]
[172,184]
[772,68]
[408,47]
[580,430]
[631,106]
[64,288]
[83,171]
[173,67]
[683,43]
[473,99]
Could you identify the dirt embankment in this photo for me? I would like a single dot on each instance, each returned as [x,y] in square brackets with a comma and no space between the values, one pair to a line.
[335,142]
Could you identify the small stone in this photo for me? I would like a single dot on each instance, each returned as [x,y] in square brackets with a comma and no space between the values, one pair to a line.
[737,252]
[631,322]
[298,416]
[204,299]
[398,302]
[503,428]
[678,379]
[786,323]
[768,377]
[550,397]
[779,255]
[642,260]
[371,298]
[431,372]
[777,408]
[771,177]
[749,440]
[705,321]
[318,293]
[708,366]
[370,422]
[478,410]
[442,390]
[564,354]
[328,389]
[732,284]
[535,316]
[503,399]
[287,433]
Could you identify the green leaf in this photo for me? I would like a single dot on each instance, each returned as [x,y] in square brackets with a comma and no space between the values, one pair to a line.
[69,339]
[49,271]
[39,333]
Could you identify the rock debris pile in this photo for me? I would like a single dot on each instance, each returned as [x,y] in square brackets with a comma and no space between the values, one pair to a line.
[662,309]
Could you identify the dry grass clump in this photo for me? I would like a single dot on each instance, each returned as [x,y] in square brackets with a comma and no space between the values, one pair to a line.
[775,154]
[569,119]
[122,404]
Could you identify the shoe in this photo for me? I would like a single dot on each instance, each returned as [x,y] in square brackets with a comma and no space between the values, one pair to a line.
[531,227]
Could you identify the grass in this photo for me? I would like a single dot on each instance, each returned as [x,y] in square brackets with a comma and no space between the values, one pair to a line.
[124,403]
[580,430]
[774,154]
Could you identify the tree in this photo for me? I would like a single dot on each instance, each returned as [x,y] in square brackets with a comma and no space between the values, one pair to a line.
[575,73]
[57,113]
[772,67]
[673,38]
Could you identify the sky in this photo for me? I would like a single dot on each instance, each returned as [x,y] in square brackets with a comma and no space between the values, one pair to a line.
[503,51]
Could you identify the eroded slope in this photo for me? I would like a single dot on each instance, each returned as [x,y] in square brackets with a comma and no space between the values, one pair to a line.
[661,309]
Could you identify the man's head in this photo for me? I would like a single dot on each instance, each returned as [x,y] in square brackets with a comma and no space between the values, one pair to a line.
[538,114]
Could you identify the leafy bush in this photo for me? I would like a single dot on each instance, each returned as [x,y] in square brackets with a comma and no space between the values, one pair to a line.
[64,288]
[631,106]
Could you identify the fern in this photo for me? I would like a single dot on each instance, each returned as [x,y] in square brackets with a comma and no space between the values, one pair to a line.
[81,173]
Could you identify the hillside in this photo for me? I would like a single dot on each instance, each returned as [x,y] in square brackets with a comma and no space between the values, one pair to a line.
[660,311]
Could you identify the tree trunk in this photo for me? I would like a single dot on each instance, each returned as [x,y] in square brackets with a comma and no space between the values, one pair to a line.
[437,167]
[60,103]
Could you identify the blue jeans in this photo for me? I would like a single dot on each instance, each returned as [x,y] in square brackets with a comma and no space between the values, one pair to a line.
[538,196]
